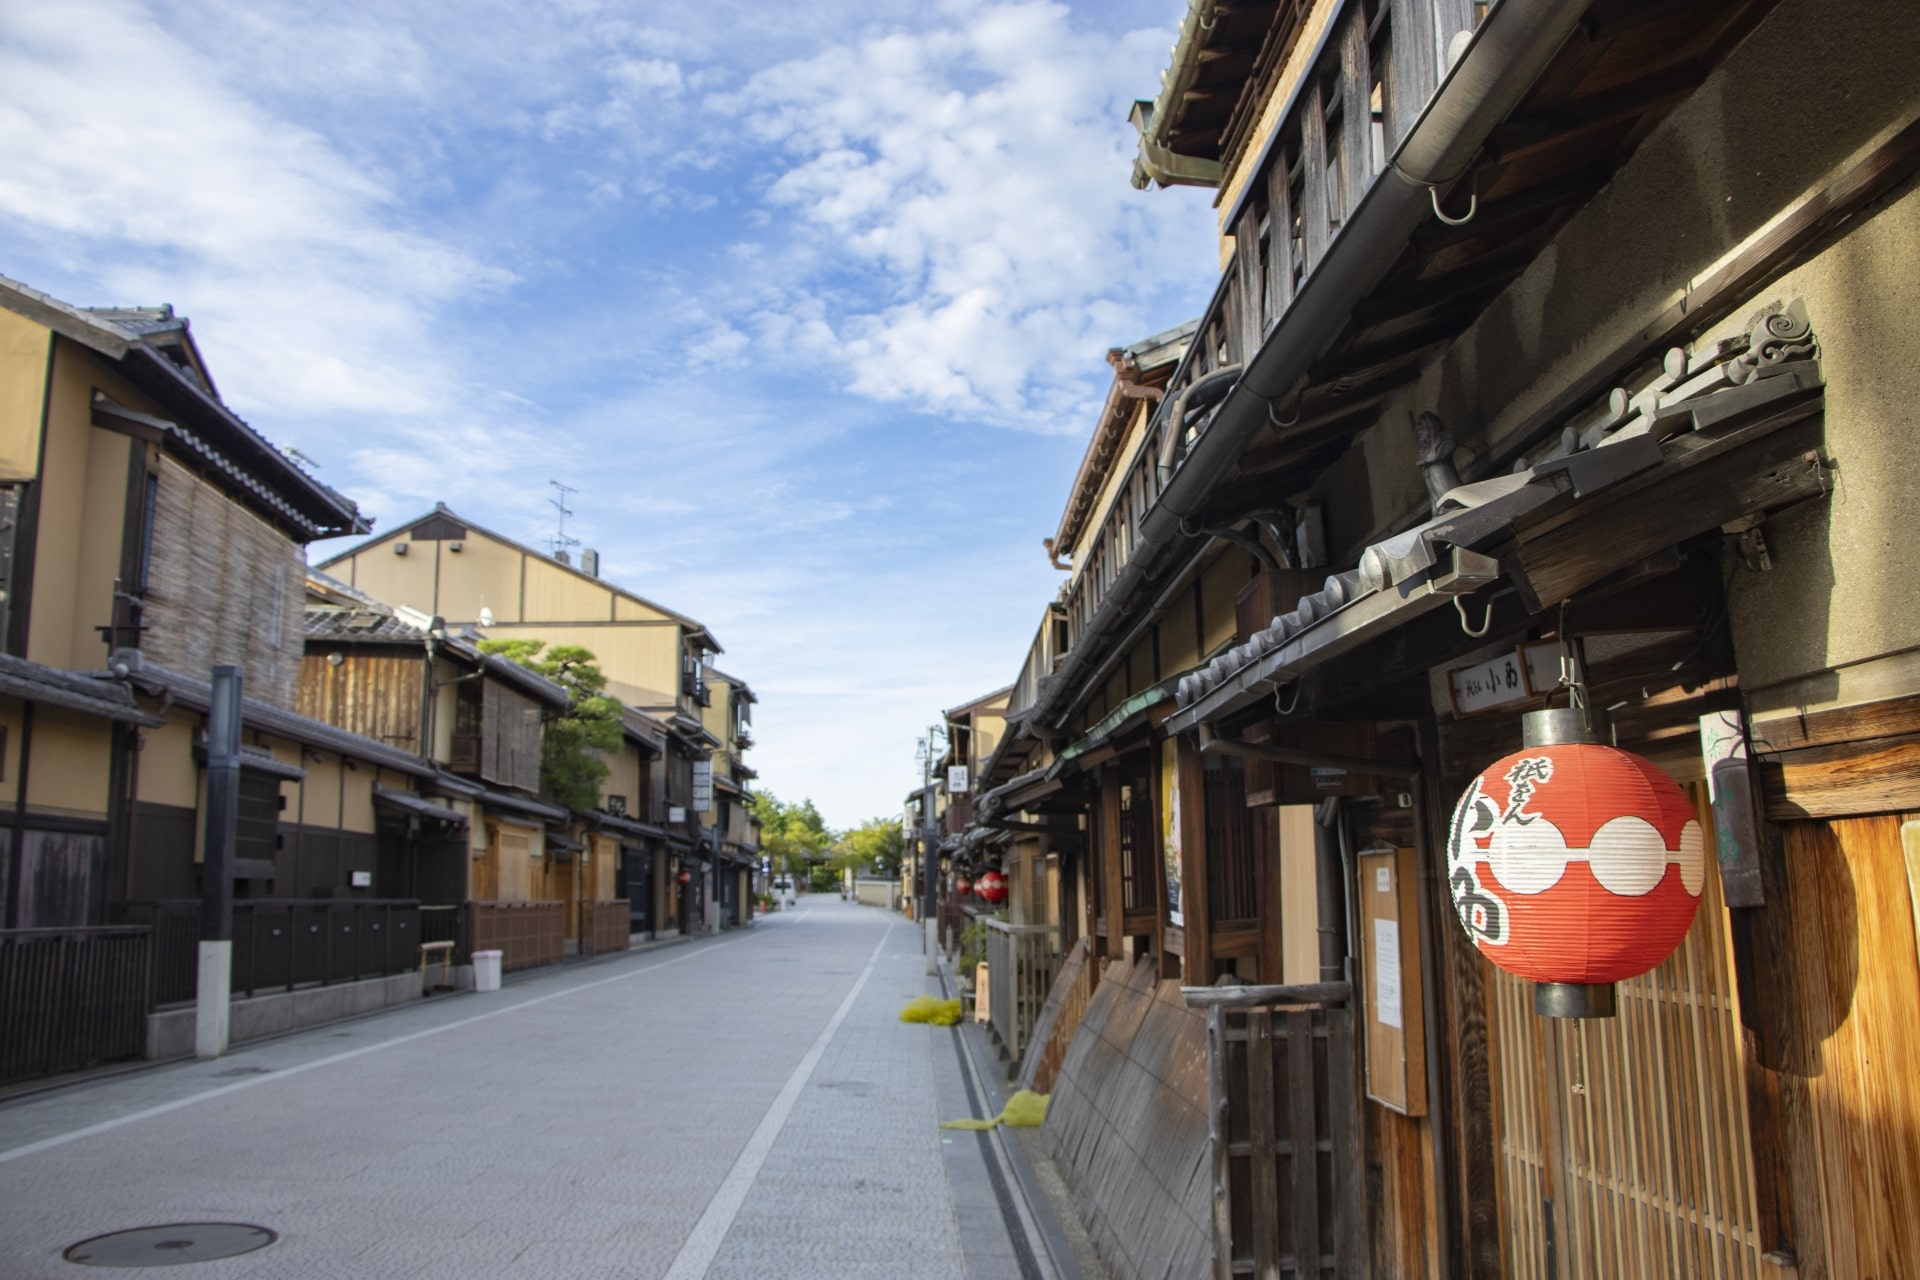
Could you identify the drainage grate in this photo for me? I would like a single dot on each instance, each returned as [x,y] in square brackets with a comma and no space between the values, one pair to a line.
[171,1245]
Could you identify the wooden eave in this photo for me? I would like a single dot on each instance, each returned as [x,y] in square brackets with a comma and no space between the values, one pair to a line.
[1627,66]
[1224,87]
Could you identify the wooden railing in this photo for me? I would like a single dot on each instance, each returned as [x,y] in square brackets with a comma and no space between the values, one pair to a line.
[1059,1020]
[1020,967]
[605,927]
[70,998]
[525,933]
[1353,109]
[955,916]
[1284,1129]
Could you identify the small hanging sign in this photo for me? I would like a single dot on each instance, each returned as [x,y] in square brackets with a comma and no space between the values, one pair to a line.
[1505,678]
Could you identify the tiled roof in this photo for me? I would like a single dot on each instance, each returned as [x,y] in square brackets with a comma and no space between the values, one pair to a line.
[359,624]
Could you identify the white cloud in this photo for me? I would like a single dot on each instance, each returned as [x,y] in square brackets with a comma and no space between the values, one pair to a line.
[741,271]
[972,178]
[123,145]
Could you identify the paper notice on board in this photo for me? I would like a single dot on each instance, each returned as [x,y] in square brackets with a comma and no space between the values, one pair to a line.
[1386,973]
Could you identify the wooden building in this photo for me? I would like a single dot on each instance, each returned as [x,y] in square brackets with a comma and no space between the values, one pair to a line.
[148,535]
[656,662]
[1555,348]
[728,719]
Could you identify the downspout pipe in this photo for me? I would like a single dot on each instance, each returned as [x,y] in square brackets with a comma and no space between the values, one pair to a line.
[1512,47]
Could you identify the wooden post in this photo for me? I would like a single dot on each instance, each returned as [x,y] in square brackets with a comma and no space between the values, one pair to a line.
[1218,1133]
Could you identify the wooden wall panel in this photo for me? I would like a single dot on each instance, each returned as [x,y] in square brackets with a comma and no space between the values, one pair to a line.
[376,695]
[1634,1127]
[1852,936]
[226,588]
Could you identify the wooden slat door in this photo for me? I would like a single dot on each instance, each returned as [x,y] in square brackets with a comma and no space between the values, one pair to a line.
[1633,1128]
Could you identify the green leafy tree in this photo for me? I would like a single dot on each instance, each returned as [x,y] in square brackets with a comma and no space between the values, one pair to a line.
[571,767]
[792,836]
[875,847]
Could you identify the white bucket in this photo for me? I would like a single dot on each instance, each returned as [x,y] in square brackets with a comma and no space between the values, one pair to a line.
[486,971]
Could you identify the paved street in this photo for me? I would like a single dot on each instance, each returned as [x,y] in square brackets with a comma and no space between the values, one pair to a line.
[746,1106]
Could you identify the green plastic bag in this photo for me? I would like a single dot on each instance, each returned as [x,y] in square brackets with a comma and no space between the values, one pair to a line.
[1024,1110]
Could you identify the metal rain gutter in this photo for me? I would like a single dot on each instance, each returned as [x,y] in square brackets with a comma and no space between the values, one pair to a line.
[1512,47]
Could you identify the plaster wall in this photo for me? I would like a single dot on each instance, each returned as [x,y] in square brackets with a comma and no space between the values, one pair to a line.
[12,717]
[168,772]
[623,777]
[24,350]
[480,574]
[71,756]
[641,661]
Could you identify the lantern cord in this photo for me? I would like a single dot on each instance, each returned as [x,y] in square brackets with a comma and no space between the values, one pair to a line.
[1486,621]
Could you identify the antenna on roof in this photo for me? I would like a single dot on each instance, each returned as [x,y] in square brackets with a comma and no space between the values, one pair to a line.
[560,542]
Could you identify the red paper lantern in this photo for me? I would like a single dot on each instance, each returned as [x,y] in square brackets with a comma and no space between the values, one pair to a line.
[686,877]
[962,885]
[1575,864]
[992,886]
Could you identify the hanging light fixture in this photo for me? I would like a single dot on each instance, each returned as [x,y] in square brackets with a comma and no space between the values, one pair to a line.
[1574,865]
[992,886]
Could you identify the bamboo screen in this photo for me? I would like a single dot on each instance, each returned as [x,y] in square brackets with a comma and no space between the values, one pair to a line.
[225,587]
[1634,1126]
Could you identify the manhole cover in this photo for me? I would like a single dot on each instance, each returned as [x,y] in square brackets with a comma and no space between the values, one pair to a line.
[171,1245]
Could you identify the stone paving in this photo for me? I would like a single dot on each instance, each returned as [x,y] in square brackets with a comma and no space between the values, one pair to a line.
[577,1123]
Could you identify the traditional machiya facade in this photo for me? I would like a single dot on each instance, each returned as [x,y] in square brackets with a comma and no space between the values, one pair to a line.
[1553,360]
[655,661]
[151,535]
[728,720]
[478,721]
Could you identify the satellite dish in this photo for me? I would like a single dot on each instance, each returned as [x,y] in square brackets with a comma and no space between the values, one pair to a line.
[486,617]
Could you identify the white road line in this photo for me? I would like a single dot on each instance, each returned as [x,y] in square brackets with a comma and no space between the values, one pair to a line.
[222,1091]
[703,1244]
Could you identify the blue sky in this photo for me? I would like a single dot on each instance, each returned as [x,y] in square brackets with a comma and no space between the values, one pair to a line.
[808,300]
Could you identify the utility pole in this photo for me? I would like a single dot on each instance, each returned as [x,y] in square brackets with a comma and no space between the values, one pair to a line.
[215,986]
[929,851]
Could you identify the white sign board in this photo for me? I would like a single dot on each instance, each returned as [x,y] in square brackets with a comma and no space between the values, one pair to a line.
[957,780]
[363,879]
[1492,682]
[1386,973]
[676,814]
[702,785]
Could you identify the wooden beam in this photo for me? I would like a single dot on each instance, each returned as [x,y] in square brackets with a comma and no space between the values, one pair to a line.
[1761,467]
[1551,126]
[1487,275]
[1842,780]
[1889,717]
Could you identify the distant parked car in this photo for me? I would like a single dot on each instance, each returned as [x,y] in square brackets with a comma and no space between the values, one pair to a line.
[783,890]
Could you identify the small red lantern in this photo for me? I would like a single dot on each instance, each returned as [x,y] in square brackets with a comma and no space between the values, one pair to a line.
[1577,866]
[962,886]
[992,886]
[686,877]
